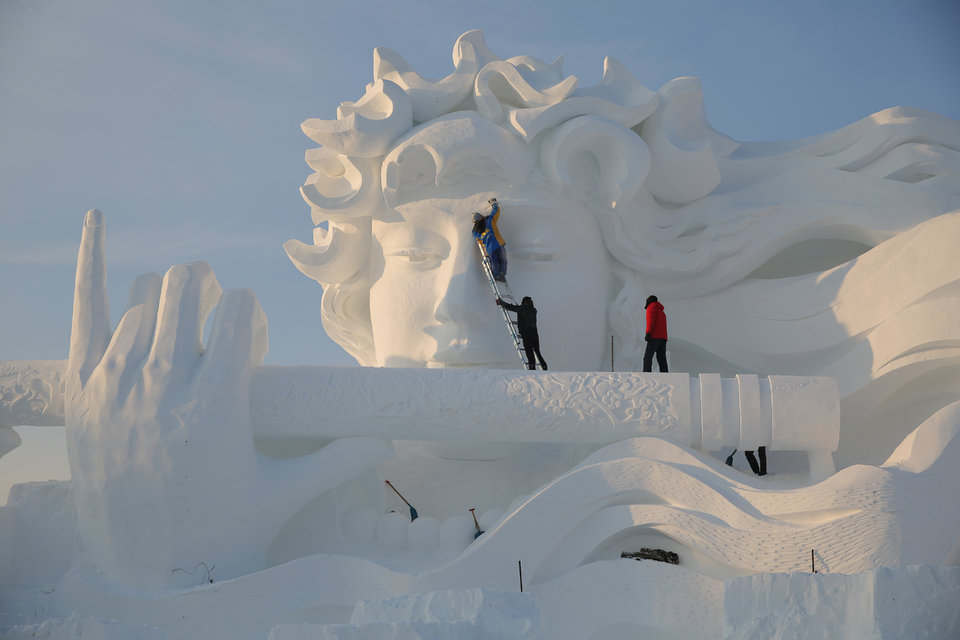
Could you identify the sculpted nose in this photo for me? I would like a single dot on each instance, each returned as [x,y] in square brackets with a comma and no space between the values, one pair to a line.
[467,294]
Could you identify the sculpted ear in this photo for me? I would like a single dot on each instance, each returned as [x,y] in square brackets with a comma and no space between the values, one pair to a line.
[598,157]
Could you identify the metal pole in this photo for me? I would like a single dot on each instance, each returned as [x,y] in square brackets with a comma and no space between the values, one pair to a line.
[611,353]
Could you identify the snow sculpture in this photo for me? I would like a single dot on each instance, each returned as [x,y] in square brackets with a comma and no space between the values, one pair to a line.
[782,264]
[163,467]
[613,192]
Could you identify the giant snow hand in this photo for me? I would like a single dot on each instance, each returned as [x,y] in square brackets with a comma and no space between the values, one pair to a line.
[164,472]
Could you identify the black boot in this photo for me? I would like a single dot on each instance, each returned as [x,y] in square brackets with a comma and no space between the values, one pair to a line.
[752,459]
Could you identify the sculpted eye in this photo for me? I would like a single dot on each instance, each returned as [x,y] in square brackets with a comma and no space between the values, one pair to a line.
[416,257]
[534,253]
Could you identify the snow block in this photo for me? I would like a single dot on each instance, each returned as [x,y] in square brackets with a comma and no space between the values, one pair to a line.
[495,613]
[471,614]
[752,432]
[77,626]
[37,530]
[711,397]
[378,631]
[807,401]
[886,603]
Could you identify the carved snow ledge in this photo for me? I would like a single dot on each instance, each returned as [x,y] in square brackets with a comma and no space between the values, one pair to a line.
[31,392]
[795,413]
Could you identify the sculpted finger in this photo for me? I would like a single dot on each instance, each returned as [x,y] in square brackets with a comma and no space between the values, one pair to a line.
[134,334]
[90,330]
[238,338]
[188,295]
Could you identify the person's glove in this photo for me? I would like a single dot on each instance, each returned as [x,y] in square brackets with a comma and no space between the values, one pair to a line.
[646,337]
[499,302]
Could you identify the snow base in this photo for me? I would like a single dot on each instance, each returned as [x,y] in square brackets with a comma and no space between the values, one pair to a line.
[470,614]
[917,602]
[905,602]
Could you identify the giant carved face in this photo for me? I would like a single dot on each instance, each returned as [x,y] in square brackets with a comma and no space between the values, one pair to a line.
[766,255]
[430,302]
[400,172]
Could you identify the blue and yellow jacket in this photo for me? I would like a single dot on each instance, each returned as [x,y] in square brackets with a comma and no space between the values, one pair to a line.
[491,238]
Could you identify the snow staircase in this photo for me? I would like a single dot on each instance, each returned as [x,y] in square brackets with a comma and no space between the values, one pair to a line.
[502,290]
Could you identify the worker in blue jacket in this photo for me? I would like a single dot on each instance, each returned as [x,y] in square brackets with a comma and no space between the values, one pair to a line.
[485,228]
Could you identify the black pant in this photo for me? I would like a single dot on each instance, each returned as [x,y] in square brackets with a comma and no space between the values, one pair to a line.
[531,345]
[658,346]
[759,469]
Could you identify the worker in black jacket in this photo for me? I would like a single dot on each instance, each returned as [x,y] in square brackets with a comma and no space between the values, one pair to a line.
[527,326]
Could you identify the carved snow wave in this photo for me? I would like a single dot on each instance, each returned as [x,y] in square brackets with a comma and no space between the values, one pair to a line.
[720,522]
[722,525]
[874,323]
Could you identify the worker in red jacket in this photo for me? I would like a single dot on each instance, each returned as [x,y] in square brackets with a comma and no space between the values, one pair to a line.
[656,335]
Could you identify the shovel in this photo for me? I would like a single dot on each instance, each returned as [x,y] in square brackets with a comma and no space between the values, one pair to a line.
[413,512]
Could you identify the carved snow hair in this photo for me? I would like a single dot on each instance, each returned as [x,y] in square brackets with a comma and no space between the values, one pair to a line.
[452,150]
[596,157]
[505,102]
